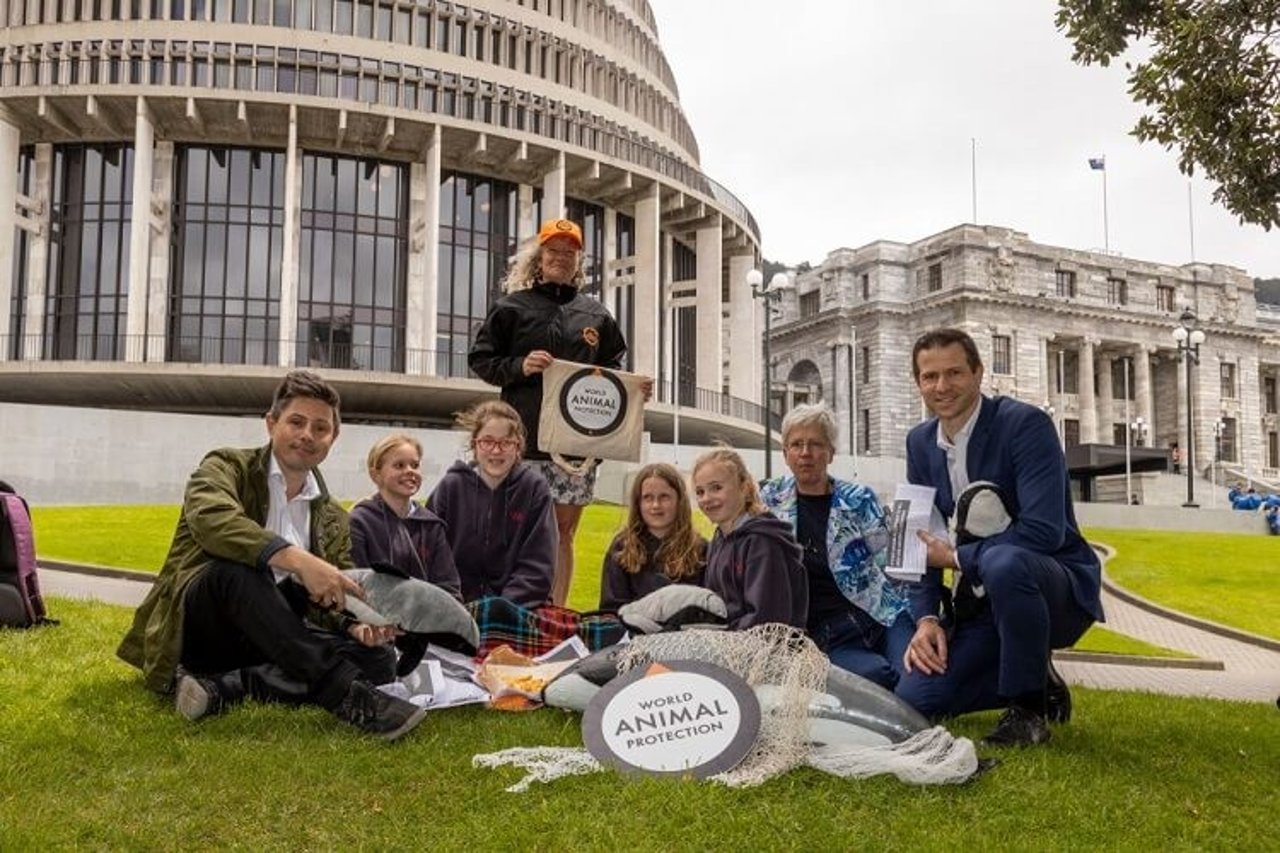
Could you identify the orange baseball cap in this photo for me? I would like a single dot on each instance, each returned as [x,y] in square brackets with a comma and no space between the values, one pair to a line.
[560,228]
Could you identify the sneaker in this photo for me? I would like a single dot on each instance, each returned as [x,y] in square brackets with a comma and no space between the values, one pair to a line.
[197,697]
[1018,727]
[378,713]
[1057,700]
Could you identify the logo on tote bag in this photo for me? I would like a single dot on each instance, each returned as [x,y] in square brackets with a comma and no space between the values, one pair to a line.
[593,402]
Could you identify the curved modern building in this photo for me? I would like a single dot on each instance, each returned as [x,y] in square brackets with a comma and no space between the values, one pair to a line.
[195,194]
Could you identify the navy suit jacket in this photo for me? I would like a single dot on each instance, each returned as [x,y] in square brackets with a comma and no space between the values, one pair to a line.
[1015,446]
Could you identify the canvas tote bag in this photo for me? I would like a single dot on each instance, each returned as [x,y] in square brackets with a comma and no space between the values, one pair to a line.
[592,412]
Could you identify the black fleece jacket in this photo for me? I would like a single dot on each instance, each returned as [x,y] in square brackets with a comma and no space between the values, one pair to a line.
[757,570]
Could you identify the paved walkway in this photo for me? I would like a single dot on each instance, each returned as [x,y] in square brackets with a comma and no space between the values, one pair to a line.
[1251,673]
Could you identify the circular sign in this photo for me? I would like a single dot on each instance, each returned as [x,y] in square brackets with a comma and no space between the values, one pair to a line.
[593,401]
[674,718]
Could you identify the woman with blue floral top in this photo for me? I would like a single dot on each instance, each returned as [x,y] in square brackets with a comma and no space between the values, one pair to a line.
[857,615]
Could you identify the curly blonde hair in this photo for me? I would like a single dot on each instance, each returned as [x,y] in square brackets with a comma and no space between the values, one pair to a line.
[682,552]
[730,459]
[524,270]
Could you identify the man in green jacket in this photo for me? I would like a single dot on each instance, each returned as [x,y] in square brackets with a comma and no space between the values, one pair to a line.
[248,600]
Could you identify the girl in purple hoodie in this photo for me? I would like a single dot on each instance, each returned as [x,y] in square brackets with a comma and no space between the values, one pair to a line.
[753,562]
[497,513]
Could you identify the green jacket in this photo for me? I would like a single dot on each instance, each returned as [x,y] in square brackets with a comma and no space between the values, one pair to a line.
[223,513]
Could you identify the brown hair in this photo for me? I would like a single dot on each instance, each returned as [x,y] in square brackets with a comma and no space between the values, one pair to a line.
[939,338]
[681,553]
[730,459]
[379,451]
[304,383]
[474,419]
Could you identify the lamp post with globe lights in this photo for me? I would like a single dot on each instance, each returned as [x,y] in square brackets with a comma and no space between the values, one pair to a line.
[1188,337]
[769,294]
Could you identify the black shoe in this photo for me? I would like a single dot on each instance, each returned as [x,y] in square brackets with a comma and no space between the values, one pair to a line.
[378,713]
[1018,727]
[197,697]
[1057,698]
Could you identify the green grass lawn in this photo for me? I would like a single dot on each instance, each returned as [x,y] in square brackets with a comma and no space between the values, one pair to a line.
[1099,639]
[90,759]
[1227,578]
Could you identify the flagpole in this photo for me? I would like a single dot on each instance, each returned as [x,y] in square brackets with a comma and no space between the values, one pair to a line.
[1106,228]
[973,173]
[1191,223]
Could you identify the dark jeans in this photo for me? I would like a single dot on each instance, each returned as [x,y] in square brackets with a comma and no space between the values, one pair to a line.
[1002,652]
[859,644]
[235,617]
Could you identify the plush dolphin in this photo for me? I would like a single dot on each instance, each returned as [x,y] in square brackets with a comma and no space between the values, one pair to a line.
[851,712]
[423,611]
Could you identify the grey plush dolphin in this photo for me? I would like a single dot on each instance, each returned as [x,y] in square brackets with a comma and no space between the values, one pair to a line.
[423,611]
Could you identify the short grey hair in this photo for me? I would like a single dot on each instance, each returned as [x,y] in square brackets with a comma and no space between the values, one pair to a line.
[812,414]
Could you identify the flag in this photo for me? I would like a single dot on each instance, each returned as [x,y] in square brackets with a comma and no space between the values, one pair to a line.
[1098,164]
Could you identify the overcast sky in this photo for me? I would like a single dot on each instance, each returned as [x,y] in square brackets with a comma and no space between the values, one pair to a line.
[840,122]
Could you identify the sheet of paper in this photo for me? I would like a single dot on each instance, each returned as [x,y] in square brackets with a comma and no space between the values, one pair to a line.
[912,510]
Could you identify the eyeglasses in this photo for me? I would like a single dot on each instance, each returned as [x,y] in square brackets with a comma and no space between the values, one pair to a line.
[488,445]
[802,445]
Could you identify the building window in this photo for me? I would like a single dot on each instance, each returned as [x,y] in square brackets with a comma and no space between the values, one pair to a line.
[866,286]
[624,295]
[864,365]
[1122,378]
[1273,450]
[1001,355]
[810,303]
[1066,283]
[1269,394]
[1070,432]
[590,217]
[1117,291]
[935,277]
[1164,298]
[353,263]
[1228,380]
[224,289]
[1117,435]
[1227,443]
[89,230]
[1068,373]
[477,236]
[18,291]
[864,432]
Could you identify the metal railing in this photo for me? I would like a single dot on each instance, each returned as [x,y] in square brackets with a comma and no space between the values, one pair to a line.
[319,355]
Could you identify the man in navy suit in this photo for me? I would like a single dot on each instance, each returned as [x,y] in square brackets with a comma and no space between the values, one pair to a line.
[1038,579]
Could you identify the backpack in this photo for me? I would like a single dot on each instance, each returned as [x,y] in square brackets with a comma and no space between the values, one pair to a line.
[21,605]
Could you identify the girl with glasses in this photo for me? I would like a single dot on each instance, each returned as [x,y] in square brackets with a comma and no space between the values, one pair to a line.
[658,546]
[390,528]
[497,512]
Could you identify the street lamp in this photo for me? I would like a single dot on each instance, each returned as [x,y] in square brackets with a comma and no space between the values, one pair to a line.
[1188,339]
[769,294]
[1137,432]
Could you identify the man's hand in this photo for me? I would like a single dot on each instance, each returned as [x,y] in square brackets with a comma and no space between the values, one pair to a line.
[536,362]
[325,584]
[941,555]
[928,649]
[372,635]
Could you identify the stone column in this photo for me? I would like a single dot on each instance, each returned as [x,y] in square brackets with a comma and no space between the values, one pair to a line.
[1142,391]
[38,255]
[135,348]
[9,141]
[526,227]
[159,218]
[1088,401]
[553,189]
[421,287]
[292,243]
[648,284]
[1107,412]
[610,255]
[741,325]
[710,369]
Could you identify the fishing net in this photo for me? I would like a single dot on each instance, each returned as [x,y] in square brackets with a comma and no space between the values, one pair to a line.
[787,671]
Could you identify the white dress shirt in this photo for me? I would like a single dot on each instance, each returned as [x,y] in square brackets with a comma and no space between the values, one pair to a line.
[290,518]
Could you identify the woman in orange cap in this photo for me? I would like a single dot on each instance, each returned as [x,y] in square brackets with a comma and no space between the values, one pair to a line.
[543,317]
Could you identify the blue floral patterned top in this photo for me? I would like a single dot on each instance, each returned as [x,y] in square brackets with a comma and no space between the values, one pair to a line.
[856,541]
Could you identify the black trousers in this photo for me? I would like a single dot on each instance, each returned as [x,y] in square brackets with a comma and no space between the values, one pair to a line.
[236,618]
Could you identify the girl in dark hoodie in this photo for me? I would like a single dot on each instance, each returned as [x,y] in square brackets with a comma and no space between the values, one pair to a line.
[390,528]
[658,546]
[753,562]
[498,513]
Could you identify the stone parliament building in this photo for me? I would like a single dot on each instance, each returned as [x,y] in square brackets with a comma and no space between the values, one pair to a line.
[1068,330]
